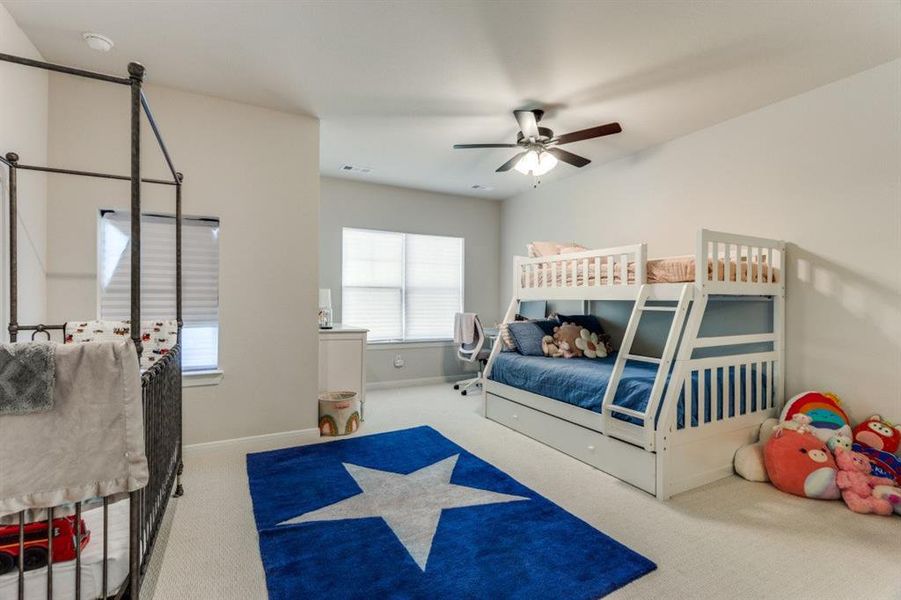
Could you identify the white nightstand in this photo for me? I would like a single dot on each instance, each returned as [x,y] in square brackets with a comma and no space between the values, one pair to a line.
[342,361]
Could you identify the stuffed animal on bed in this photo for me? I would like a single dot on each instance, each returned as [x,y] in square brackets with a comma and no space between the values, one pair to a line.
[800,464]
[572,341]
[550,347]
[590,345]
[878,433]
[857,484]
[827,417]
[565,336]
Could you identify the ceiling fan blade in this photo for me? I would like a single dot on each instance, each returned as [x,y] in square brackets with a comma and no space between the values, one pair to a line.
[587,134]
[527,123]
[568,157]
[509,164]
[469,146]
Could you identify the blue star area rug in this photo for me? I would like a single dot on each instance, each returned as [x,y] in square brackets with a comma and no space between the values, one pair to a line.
[409,514]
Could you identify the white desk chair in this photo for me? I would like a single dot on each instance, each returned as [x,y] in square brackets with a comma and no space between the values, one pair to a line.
[473,352]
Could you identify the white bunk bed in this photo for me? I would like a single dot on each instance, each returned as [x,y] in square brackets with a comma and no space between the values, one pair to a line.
[666,455]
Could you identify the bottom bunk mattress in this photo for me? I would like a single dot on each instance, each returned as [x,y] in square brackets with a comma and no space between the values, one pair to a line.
[582,382]
[91,562]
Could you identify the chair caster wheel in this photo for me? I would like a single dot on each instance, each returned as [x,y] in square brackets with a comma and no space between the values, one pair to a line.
[463,392]
[456,386]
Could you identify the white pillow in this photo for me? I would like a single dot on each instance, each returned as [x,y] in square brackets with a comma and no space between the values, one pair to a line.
[537,249]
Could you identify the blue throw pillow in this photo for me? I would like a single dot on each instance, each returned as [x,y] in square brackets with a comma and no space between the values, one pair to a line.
[527,335]
[589,322]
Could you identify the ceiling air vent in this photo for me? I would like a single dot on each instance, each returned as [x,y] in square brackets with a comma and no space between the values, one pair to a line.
[481,188]
[353,169]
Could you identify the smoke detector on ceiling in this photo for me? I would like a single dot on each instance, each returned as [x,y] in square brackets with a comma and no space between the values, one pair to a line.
[97,42]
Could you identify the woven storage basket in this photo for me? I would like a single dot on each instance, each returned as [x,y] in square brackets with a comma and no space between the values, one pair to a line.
[339,413]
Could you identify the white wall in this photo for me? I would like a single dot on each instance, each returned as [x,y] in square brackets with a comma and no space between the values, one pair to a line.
[821,170]
[23,130]
[347,203]
[255,169]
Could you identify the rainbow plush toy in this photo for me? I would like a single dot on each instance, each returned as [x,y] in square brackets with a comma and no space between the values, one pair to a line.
[827,417]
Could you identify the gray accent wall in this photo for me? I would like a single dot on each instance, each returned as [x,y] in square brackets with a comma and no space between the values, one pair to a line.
[821,171]
[347,203]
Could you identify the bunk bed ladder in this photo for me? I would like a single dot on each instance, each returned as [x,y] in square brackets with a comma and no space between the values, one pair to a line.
[664,362]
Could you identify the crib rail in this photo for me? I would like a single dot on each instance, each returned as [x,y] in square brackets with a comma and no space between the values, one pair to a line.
[739,264]
[161,396]
[612,271]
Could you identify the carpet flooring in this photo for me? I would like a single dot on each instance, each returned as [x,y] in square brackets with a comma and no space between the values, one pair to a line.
[731,538]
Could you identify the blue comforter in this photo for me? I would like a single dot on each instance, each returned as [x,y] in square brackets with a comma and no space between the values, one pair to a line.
[583,382]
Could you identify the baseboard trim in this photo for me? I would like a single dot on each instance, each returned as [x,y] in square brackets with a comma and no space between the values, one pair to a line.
[298,436]
[383,385]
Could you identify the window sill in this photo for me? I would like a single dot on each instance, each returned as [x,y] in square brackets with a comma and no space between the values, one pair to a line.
[408,345]
[201,378]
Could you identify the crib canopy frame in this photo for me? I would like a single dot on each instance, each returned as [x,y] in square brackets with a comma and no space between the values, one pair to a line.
[161,384]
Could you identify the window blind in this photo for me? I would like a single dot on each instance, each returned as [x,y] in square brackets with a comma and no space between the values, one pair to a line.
[401,286]
[200,278]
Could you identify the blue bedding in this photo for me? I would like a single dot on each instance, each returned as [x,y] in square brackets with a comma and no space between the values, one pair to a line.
[583,381]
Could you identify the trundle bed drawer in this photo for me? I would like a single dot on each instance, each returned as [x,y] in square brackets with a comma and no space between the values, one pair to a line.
[620,459]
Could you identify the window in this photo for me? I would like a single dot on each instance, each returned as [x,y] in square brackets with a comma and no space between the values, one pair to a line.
[401,286]
[200,278]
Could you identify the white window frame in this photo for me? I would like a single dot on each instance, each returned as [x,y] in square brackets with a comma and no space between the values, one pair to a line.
[403,341]
[190,377]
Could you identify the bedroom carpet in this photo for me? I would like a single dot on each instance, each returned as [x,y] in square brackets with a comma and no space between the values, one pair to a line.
[732,537]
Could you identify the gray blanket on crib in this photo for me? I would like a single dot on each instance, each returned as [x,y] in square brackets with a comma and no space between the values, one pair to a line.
[91,443]
[27,373]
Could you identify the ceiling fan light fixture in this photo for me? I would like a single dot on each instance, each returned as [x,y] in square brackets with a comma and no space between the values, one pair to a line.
[534,157]
[546,162]
[536,163]
[528,163]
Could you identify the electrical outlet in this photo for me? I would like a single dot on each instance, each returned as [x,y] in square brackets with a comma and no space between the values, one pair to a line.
[398,361]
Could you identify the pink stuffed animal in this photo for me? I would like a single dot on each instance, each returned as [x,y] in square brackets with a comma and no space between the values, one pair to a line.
[856,483]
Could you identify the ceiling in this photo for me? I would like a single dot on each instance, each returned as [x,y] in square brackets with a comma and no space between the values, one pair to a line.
[396,84]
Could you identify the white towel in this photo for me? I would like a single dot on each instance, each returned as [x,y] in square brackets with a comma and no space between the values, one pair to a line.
[464,328]
[90,444]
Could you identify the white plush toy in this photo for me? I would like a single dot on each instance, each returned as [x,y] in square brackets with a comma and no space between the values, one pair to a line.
[749,459]
[890,493]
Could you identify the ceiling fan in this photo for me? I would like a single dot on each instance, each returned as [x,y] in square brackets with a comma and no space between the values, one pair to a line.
[539,147]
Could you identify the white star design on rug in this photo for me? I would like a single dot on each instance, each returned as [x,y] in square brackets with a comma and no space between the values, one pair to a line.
[411,504]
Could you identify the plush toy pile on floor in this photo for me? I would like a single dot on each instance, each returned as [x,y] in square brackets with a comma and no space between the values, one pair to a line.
[812,451]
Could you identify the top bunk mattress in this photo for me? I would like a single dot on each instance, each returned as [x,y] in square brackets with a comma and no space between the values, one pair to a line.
[671,269]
